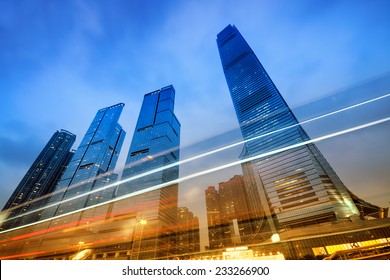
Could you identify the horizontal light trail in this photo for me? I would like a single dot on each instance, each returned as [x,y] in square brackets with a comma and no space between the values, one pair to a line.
[189,159]
[204,172]
[92,221]
[196,157]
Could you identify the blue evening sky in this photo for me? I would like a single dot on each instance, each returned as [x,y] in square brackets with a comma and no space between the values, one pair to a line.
[61,61]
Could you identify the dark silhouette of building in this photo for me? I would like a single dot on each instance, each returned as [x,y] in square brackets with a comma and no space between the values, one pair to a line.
[40,179]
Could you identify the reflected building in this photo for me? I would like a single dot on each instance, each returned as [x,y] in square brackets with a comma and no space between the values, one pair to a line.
[296,186]
[40,179]
[92,165]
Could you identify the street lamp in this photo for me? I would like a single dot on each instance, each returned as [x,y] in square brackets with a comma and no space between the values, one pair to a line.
[275,237]
[142,222]
[81,243]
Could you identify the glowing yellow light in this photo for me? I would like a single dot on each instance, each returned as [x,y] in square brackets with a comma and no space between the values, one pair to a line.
[82,255]
[242,248]
[3,217]
[208,171]
[275,237]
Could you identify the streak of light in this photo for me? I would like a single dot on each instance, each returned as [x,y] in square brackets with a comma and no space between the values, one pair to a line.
[23,255]
[96,220]
[2,220]
[197,174]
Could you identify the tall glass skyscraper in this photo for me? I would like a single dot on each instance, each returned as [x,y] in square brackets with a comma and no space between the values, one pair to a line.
[294,187]
[155,142]
[41,178]
[92,165]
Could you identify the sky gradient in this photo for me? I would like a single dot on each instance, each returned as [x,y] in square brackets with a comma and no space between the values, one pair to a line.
[61,61]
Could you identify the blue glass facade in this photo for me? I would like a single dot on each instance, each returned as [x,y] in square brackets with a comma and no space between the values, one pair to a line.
[155,142]
[93,163]
[41,178]
[297,186]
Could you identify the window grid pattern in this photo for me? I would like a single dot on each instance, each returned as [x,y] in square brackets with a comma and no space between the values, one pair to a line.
[261,110]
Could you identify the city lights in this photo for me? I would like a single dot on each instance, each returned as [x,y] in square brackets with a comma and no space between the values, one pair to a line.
[264,191]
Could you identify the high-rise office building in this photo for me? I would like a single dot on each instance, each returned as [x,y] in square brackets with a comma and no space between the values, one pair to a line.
[216,230]
[228,214]
[92,165]
[41,178]
[188,237]
[155,142]
[297,186]
[234,209]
